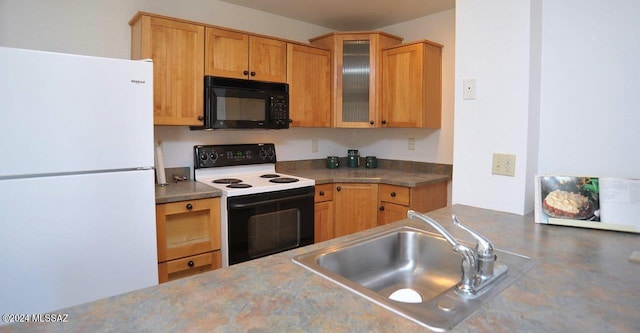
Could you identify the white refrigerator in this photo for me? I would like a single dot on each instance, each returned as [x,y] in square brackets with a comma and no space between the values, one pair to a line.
[77,204]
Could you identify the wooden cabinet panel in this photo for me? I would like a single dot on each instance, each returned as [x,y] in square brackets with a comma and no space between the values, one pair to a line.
[267,59]
[324,192]
[324,221]
[394,194]
[390,212]
[412,85]
[227,53]
[186,229]
[396,200]
[177,51]
[356,206]
[242,56]
[309,78]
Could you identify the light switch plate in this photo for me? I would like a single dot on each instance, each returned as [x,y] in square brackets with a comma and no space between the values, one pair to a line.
[504,165]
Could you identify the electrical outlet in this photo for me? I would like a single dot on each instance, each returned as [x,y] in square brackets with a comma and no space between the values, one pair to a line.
[412,144]
[314,145]
[504,164]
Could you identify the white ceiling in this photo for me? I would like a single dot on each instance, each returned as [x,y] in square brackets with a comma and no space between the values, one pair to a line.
[345,15]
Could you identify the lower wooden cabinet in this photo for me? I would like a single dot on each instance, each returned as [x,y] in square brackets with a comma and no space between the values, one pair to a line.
[356,206]
[188,237]
[344,208]
[396,200]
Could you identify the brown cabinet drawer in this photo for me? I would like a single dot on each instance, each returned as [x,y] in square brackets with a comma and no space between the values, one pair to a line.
[179,268]
[394,194]
[324,192]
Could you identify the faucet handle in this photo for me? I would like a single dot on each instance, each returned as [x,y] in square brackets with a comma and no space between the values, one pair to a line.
[484,247]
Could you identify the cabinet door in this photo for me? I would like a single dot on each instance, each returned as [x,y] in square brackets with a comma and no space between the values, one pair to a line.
[187,228]
[177,51]
[309,78]
[323,219]
[356,207]
[267,59]
[227,53]
[390,212]
[179,268]
[411,88]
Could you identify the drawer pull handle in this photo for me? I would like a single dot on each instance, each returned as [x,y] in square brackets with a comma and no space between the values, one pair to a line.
[381,208]
[338,188]
[393,194]
[321,193]
[191,263]
[189,206]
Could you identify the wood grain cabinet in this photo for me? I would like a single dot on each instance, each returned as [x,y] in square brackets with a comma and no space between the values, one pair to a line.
[177,50]
[323,213]
[188,237]
[240,55]
[356,207]
[394,201]
[309,78]
[357,75]
[412,85]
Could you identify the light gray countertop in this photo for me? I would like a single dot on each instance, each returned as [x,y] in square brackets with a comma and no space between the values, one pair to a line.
[185,190]
[583,282]
[362,175]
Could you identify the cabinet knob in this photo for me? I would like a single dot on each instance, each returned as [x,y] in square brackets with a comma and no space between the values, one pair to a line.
[189,206]
[321,193]
[245,73]
[393,194]
[381,208]
[191,263]
[338,188]
[200,118]
[371,122]
[253,73]
[384,122]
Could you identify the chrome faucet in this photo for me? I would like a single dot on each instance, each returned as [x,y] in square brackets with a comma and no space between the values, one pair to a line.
[477,265]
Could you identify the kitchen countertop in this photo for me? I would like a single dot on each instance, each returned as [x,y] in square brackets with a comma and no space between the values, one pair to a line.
[185,190]
[363,175]
[583,282]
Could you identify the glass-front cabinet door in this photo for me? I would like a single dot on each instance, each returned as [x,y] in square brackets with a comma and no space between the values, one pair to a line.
[357,81]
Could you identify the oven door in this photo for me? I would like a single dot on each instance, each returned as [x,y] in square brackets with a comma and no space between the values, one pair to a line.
[266,223]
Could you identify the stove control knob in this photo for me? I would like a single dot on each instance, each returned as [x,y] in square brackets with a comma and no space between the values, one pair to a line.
[263,154]
[203,156]
[271,154]
[213,156]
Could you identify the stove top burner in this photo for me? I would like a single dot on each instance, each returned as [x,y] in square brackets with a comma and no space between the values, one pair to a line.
[227,181]
[238,185]
[284,180]
[270,175]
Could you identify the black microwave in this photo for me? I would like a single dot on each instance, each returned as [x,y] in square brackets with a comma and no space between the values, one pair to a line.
[237,103]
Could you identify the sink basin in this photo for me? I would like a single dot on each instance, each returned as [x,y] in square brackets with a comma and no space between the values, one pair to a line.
[411,272]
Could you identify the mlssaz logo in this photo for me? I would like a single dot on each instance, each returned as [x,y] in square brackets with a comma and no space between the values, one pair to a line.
[138,81]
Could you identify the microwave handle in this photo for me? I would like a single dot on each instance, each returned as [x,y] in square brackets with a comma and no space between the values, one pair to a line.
[266,202]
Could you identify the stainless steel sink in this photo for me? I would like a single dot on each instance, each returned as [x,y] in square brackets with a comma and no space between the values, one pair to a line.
[411,272]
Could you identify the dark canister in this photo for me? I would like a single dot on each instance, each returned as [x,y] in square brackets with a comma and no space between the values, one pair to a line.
[333,162]
[353,158]
[371,162]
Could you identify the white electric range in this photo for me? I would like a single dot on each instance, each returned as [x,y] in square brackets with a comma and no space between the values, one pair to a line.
[262,212]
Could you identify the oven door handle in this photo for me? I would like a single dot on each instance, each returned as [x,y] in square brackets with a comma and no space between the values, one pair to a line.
[267,202]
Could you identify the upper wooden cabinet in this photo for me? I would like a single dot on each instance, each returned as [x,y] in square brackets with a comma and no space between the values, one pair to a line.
[177,51]
[357,81]
[244,56]
[309,78]
[412,85]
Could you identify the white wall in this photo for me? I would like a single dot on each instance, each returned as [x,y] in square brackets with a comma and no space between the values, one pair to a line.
[101,28]
[555,86]
[590,75]
[493,40]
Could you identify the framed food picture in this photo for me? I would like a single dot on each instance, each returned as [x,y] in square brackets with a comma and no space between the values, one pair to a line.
[588,202]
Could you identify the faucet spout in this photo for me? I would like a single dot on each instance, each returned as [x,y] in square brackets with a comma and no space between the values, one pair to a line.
[469,260]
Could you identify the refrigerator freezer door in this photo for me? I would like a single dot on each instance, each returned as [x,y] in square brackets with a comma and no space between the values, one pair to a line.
[72,239]
[68,113]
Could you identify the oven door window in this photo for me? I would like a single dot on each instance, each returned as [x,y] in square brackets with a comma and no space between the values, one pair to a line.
[273,231]
[267,223]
